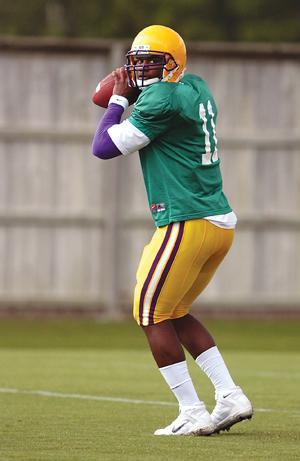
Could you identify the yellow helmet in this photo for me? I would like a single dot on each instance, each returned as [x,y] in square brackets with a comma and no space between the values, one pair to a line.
[156,48]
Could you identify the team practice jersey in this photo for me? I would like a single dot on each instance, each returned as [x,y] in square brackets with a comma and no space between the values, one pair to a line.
[180,165]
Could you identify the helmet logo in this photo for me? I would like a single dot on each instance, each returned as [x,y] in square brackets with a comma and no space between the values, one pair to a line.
[140,48]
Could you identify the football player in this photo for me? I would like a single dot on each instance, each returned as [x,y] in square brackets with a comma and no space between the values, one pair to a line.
[173,126]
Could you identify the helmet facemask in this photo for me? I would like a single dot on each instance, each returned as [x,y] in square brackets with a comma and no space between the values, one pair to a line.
[138,70]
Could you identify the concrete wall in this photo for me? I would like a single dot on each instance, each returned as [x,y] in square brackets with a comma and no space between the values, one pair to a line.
[72,228]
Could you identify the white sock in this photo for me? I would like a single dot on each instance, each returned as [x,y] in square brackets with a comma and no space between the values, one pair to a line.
[213,365]
[178,378]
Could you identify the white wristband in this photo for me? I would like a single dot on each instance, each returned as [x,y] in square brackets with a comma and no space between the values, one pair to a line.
[120,100]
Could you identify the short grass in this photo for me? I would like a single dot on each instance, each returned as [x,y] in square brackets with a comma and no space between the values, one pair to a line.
[84,358]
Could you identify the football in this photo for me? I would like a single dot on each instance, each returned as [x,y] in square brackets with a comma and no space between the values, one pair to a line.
[104,91]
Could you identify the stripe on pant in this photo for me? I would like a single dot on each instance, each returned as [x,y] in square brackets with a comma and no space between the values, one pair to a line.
[165,272]
[151,272]
[158,272]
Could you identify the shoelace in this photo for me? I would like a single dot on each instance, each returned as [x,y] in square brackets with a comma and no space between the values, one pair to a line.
[180,421]
[218,407]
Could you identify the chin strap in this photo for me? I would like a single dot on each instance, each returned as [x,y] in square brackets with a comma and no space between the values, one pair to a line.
[142,83]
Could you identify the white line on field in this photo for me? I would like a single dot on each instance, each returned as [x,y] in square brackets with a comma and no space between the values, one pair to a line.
[275,374]
[85,397]
[102,398]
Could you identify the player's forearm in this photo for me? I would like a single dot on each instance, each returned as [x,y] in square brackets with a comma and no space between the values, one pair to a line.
[103,146]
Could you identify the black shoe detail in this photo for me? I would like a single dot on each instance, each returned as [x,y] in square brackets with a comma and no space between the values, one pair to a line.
[178,428]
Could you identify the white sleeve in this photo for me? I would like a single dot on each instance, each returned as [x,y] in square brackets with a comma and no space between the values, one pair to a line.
[127,137]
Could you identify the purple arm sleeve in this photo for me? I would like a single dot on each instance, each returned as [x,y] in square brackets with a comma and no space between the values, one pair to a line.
[102,145]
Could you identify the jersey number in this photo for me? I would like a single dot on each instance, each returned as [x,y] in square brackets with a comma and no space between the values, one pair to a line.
[207,116]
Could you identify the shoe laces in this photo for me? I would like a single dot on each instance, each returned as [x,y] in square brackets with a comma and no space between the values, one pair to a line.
[220,408]
[185,413]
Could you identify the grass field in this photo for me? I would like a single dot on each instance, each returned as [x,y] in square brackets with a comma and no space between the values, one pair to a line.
[61,381]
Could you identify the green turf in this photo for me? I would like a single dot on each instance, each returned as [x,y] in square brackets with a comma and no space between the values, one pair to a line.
[91,359]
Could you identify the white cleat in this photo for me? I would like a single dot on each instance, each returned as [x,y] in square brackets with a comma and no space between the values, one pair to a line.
[231,409]
[191,421]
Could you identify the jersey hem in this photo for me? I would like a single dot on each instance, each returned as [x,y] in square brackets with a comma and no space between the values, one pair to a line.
[191,216]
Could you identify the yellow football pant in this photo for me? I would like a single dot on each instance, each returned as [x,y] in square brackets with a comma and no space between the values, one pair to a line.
[175,267]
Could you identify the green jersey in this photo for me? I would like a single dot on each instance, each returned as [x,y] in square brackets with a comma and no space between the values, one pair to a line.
[181,167]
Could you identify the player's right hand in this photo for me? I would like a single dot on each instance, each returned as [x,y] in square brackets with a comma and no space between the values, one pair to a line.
[121,87]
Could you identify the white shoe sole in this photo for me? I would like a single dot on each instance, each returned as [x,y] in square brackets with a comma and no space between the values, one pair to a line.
[204,431]
[229,422]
